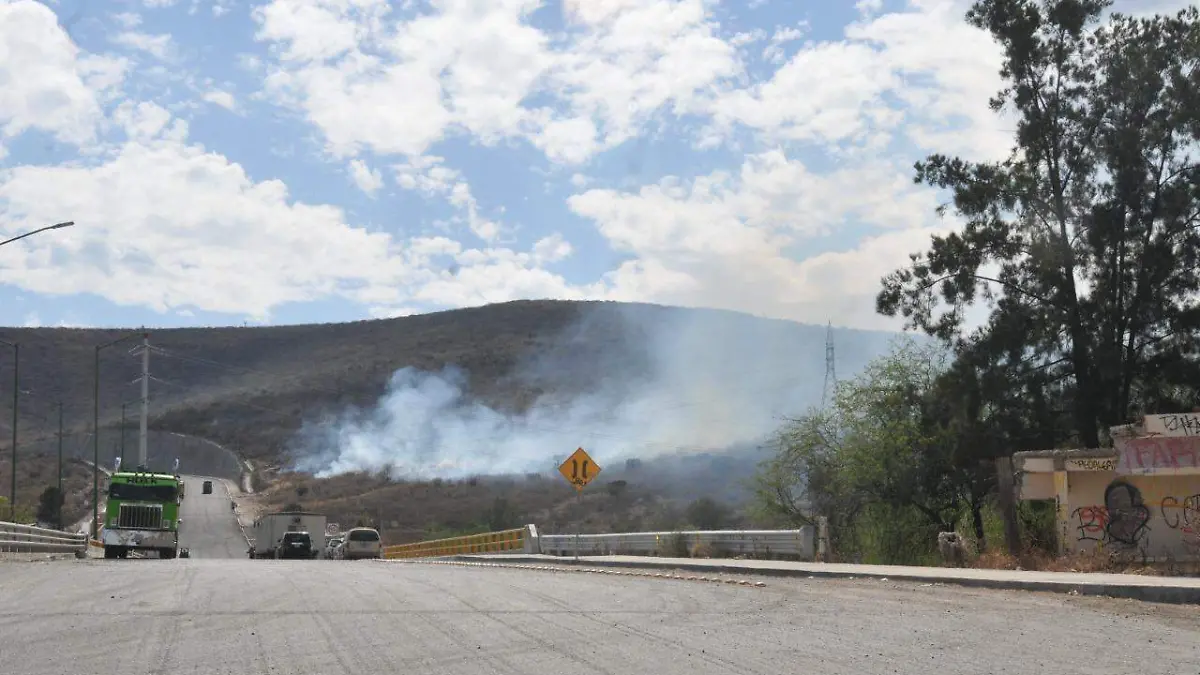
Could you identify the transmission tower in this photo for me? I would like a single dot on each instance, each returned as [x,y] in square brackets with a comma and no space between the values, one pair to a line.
[830,369]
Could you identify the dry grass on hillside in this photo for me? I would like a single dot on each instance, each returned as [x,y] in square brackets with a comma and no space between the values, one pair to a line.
[408,511]
[251,388]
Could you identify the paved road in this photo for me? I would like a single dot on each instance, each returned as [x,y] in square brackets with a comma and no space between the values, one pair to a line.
[328,617]
[210,528]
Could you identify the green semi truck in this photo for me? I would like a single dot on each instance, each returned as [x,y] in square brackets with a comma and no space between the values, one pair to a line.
[142,514]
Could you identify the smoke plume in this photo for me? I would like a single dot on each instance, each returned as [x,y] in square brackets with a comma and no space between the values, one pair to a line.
[626,381]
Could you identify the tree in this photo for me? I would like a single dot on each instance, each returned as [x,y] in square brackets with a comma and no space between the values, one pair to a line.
[897,457]
[1085,241]
[501,515]
[50,505]
[707,513]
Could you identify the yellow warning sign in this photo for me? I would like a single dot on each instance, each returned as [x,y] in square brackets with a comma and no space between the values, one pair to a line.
[579,469]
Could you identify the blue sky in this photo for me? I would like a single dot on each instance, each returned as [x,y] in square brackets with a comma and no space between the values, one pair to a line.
[320,160]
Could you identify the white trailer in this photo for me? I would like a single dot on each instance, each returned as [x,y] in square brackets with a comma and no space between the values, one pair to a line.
[270,528]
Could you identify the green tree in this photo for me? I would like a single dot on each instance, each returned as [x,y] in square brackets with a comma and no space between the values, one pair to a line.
[501,515]
[50,505]
[886,463]
[707,513]
[1084,242]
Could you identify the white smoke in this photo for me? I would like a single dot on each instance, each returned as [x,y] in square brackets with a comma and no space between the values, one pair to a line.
[669,380]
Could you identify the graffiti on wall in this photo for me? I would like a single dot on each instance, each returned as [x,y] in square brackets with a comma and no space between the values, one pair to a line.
[1180,424]
[1183,515]
[1123,520]
[1149,455]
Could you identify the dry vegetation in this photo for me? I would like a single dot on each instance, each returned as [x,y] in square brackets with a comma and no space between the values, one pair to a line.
[250,389]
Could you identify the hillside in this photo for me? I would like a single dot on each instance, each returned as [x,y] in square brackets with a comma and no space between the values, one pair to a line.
[533,380]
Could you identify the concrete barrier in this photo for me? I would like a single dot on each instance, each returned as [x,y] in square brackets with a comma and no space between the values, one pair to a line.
[799,544]
[15,538]
[522,539]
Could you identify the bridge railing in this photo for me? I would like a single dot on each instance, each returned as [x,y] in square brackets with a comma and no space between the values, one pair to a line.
[799,543]
[796,544]
[521,539]
[15,538]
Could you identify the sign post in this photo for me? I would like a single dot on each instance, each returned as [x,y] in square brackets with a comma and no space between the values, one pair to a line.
[579,470]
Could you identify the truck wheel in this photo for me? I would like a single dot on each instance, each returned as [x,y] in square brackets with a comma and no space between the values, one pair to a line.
[111,552]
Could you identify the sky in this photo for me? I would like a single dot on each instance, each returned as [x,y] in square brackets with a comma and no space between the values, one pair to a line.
[291,161]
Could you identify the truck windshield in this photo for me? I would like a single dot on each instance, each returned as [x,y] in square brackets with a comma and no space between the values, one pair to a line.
[149,493]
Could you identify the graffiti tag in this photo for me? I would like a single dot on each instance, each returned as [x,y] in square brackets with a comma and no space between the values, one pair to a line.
[1092,464]
[1148,455]
[1123,520]
[1184,424]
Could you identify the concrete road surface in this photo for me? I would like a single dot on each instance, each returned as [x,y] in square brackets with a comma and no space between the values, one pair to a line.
[323,617]
[210,528]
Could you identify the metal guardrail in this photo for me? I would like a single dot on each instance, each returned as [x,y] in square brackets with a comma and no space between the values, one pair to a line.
[799,543]
[505,541]
[16,538]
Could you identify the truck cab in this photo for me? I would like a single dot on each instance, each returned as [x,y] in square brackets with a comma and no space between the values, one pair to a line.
[142,513]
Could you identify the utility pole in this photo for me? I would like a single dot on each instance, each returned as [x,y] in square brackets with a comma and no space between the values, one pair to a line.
[16,396]
[145,400]
[123,406]
[58,507]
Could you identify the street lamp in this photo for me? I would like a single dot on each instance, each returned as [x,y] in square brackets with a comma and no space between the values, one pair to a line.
[96,428]
[57,226]
[16,396]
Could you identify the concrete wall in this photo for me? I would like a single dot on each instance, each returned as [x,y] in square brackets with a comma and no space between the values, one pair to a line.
[1151,516]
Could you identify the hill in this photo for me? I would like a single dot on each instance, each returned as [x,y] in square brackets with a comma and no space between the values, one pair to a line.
[507,388]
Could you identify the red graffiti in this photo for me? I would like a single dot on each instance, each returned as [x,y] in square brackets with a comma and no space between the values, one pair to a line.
[1147,455]
[1092,522]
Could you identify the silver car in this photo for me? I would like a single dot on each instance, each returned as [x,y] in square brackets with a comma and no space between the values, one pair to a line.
[333,546]
[362,542]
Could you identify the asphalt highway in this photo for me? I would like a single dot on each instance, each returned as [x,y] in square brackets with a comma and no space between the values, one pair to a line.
[328,617]
[210,528]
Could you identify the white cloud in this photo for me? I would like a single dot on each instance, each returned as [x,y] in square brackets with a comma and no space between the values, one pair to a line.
[783,35]
[128,19]
[818,207]
[398,88]
[158,46]
[729,240]
[367,179]
[172,226]
[220,98]
[48,84]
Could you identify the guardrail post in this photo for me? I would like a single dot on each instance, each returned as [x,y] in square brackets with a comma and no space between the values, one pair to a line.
[533,543]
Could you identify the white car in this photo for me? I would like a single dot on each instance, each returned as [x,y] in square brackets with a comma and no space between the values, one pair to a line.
[332,545]
[361,542]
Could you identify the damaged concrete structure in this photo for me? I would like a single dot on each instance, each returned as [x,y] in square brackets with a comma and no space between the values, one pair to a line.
[1140,498]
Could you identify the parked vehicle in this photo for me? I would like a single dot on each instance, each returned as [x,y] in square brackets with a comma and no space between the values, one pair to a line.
[332,545]
[362,542]
[269,531]
[295,545]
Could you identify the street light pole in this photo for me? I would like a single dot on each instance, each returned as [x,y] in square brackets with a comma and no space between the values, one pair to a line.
[57,226]
[16,397]
[96,428]
[61,497]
